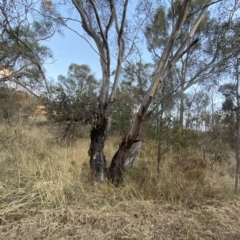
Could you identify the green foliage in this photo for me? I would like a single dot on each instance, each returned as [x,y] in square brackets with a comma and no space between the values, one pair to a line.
[21,45]
[134,84]
[196,111]
[228,119]
[75,102]
[121,114]
[181,138]
[229,92]
[171,133]
[158,29]
[79,81]
[136,78]
[24,28]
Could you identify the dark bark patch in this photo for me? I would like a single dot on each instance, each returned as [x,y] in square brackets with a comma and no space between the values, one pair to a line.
[97,157]
[116,169]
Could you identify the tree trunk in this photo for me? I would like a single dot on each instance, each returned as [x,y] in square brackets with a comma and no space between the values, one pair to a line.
[97,158]
[116,169]
[181,110]
[237,176]
[132,155]
[159,139]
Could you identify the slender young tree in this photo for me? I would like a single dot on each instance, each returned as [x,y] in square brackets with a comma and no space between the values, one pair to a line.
[237,177]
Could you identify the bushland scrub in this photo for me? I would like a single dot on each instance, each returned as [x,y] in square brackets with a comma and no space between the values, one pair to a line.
[46,192]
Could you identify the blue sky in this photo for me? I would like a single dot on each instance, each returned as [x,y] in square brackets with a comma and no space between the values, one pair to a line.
[71,48]
[68,49]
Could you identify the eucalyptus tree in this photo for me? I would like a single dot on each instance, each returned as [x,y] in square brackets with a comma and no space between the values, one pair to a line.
[22,52]
[75,103]
[231,90]
[157,32]
[231,107]
[112,36]
[74,96]
[79,80]
[100,19]
[168,59]
[135,80]
[206,59]
[237,176]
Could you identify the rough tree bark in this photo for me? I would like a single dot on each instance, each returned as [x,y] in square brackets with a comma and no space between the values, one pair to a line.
[116,169]
[97,158]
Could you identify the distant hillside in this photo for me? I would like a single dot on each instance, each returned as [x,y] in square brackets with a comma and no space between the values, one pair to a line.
[13,102]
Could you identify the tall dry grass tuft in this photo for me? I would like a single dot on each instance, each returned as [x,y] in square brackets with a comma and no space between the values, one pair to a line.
[183,178]
[36,173]
[46,192]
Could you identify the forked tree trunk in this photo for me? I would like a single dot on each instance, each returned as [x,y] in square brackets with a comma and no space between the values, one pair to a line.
[98,19]
[97,158]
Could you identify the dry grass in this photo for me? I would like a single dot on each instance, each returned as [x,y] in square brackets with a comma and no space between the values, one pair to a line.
[46,193]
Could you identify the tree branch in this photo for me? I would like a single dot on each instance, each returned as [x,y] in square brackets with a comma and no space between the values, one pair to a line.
[121,49]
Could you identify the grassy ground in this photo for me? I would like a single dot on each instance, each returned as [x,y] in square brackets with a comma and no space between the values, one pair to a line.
[46,193]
